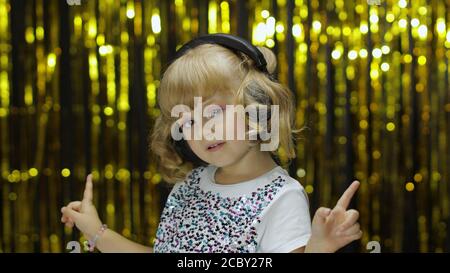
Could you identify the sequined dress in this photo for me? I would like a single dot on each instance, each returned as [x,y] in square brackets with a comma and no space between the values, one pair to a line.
[203,216]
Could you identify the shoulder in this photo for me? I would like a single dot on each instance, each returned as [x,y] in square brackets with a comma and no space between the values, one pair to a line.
[192,177]
[290,192]
[286,223]
[290,184]
[196,172]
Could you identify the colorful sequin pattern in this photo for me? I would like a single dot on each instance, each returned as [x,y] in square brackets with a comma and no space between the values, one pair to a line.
[194,220]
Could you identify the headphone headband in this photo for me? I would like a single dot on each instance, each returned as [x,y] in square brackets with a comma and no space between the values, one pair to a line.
[231,42]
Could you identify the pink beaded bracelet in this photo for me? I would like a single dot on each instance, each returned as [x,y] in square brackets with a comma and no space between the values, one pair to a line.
[91,243]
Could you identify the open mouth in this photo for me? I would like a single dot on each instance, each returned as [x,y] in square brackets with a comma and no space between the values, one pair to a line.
[215,146]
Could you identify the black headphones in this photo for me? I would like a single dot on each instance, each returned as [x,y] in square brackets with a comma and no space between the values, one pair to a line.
[234,43]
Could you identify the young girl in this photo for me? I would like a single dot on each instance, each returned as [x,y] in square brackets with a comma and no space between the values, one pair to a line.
[229,194]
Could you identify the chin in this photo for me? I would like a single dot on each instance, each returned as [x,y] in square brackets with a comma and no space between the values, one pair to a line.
[222,162]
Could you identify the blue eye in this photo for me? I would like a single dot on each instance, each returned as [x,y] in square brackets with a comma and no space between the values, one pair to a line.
[215,112]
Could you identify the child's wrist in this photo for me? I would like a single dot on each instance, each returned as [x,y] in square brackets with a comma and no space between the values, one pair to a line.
[93,239]
[314,246]
[90,232]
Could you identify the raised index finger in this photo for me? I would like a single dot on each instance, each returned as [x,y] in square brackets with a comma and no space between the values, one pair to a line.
[345,199]
[87,196]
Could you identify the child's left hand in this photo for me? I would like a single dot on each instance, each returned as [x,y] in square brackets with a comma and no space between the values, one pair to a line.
[334,228]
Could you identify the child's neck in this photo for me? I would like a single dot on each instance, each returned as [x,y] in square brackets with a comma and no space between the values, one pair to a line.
[253,164]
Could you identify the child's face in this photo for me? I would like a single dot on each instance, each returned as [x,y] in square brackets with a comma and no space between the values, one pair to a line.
[214,146]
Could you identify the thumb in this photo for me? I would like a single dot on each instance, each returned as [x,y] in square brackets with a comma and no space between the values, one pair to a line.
[70,213]
[322,213]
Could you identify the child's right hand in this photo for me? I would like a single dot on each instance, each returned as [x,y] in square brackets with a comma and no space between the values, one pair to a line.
[83,213]
[334,228]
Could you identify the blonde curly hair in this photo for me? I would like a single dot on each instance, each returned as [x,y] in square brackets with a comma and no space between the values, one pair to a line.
[202,72]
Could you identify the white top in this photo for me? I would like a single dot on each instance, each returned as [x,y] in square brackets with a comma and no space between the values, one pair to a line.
[267,214]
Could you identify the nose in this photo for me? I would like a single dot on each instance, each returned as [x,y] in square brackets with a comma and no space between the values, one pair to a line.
[214,129]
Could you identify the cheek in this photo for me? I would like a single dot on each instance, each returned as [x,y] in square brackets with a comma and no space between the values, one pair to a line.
[237,147]
[195,146]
